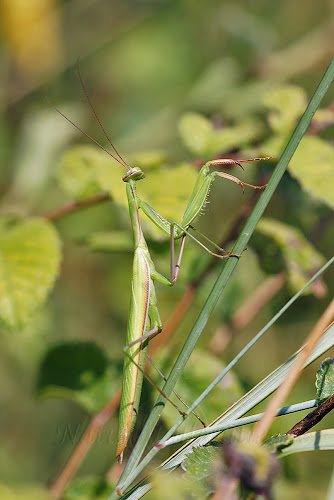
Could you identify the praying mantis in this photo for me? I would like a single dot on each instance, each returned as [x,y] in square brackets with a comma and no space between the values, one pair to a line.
[144,320]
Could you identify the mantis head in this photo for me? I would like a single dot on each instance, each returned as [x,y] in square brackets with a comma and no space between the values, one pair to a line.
[134,173]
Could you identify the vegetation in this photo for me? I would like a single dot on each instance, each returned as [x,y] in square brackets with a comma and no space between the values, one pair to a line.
[175,84]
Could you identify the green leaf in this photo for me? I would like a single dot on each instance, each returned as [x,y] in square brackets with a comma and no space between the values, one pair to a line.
[311,441]
[80,372]
[325,380]
[284,248]
[312,166]
[148,160]
[77,173]
[234,137]
[279,441]
[287,103]
[202,139]
[29,262]
[199,464]
[87,488]
[168,191]
[196,132]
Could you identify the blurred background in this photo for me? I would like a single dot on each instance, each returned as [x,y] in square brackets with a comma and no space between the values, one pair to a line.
[145,64]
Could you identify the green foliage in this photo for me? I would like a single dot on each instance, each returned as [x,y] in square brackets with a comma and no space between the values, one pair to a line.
[87,488]
[325,380]
[28,492]
[168,190]
[165,487]
[279,441]
[199,464]
[284,248]
[286,104]
[29,263]
[80,372]
[77,175]
[312,166]
[203,139]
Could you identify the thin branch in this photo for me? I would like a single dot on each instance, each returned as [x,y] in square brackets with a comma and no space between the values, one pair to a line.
[73,206]
[84,445]
[312,418]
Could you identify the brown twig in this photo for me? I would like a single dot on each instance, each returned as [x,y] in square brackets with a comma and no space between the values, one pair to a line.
[262,426]
[73,206]
[312,418]
[84,445]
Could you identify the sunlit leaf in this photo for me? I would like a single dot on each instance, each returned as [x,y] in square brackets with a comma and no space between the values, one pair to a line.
[168,191]
[287,103]
[147,159]
[80,372]
[29,262]
[313,166]
[202,139]
[77,173]
[283,248]
[279,441]
[199,464]
[325,380]
[196,132]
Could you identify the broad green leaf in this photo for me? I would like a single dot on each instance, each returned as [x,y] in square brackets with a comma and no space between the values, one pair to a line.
[283,248]
[200,370]
[77,173]
[29,262]
[202,139]
[233,137]
[87,488]
[325,380]
[80,372]
[147,160]
[22,491]
[286,104]
[199,464]
[196,132]
[313,166]
[279,441]
[168,191]
[311,441]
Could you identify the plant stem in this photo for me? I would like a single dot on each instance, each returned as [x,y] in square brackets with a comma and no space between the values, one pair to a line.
[312,418]
[73,206]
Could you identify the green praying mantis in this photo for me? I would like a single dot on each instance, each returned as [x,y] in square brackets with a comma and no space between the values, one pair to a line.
[144,320]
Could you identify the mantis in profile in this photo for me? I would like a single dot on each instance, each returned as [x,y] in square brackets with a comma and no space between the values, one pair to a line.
[144,320]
